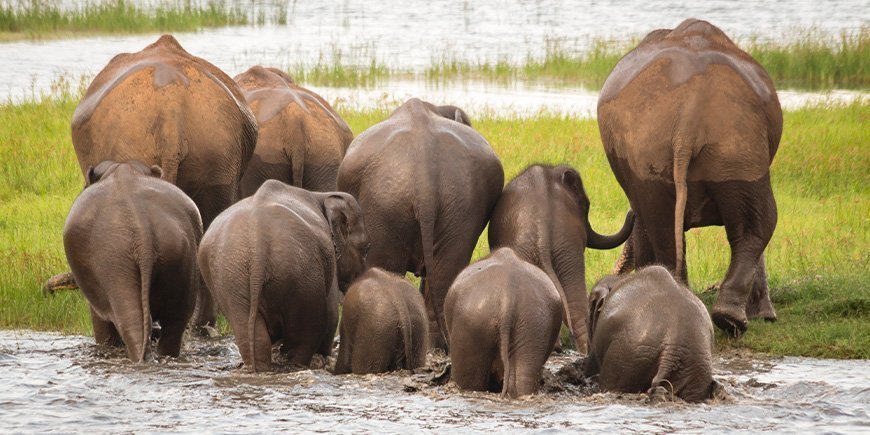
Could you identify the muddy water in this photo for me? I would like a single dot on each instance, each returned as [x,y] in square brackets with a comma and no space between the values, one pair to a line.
[413,36]
[51,382]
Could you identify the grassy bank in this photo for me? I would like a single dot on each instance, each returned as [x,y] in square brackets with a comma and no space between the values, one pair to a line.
[39,19]
[818,260]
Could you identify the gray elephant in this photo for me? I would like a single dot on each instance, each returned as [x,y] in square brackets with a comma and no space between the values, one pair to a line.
[428,184]
[647,331]
[383,325]
[131,239]
[503,316]
[275,263]
[543,215]
[301,141]
[690,124]
[165,107]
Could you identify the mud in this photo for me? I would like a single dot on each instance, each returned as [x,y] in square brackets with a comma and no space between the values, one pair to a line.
[52,382]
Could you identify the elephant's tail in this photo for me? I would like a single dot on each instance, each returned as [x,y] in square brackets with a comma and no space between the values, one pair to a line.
[406,326]
[504,343]
[146,266]
[255,285]
[297,157]
[682,158]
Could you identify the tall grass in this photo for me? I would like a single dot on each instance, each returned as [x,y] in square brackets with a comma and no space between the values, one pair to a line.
[41,18]
[818,260]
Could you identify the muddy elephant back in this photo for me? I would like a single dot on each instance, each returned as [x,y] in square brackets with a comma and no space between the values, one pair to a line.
[163,106]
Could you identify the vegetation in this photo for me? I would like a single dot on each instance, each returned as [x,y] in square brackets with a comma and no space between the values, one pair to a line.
[818,260]
[36,19]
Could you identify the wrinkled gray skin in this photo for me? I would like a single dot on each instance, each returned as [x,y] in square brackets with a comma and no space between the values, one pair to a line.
[301,141]
[383,325]
[543,215]
[275,263]
[690,125]
[647,331]
[131,239]
[428,184]
[503,316]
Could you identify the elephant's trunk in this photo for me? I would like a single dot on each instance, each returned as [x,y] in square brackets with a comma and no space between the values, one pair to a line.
[63,281]
[597,241]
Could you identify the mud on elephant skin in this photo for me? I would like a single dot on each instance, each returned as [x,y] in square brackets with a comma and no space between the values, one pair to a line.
[648,332]
[383,325]
[275,263]
[301,141]
[543,215]
[163,106]
[690,124]
[427,184]
[503,316]
[130,239]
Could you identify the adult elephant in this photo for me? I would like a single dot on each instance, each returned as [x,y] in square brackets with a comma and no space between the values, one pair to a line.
[690,124]
[276,262]
[543,215]
[163,106]
[302,140]
[427,183]
[648,333]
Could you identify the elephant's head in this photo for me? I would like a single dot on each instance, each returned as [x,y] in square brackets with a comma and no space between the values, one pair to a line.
[349,236]
[571,182]
[107,167]
[258,77]
[454,113]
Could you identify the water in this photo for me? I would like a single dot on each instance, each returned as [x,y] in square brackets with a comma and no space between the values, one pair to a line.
[52,382]
[412,37]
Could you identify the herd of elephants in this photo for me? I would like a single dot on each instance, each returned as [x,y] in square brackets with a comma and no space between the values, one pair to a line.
[250,196]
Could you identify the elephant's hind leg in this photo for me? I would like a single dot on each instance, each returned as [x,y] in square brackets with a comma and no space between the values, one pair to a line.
[759,305]
[105,332]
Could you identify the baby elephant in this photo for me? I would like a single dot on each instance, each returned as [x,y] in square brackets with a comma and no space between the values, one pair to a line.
[503,316]
[383,325]
[276,261]
[130,240]
[647,331]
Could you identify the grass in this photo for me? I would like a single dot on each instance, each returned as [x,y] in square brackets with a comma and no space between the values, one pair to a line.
[818,260]
[41,19]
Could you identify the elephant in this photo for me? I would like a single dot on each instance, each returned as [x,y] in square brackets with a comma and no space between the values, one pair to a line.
[131,240]
[503,317]
[428,184]
[301,140]
[543,215]
[690,125]
[276,263]
[648,331]
[163,106]
[383,325]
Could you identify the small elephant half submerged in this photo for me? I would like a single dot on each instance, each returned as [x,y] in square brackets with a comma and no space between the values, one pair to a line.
[383,325]
[648,331]
[131,239]
[543,215]
[275,263]
[503,316]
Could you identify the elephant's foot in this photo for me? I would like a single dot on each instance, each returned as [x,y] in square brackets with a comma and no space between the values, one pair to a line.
[205,331]
[762,309]
[730,318]
[659,394]
[63,281]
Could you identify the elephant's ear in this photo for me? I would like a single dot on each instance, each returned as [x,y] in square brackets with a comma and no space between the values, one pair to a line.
[596,304]
[571,178]
[91,177]
[156,171]
[335,209]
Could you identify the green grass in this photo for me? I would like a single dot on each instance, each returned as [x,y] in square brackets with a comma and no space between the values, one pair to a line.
[40,19]
[818,260]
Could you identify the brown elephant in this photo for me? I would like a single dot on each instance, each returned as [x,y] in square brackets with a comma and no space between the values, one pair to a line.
[503,316]
[646,332]
[427,183]
[690,124]
[543,215]
[383,325]
[131,239]
[165,107]
[301,139]
[276,261]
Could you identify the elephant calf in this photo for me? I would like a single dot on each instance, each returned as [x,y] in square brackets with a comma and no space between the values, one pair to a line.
[648,331]
[275,263]
[383,327]
[503,316]
[130,240]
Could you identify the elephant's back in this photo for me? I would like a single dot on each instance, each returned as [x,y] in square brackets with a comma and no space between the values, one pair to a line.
[161,97]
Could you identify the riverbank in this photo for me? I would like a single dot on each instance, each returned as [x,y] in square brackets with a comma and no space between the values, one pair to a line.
[817,261]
